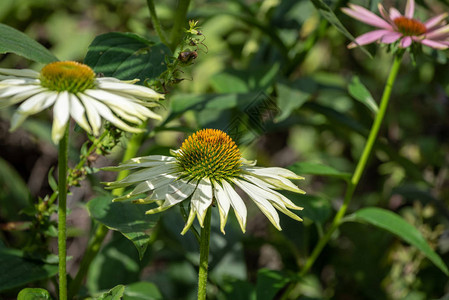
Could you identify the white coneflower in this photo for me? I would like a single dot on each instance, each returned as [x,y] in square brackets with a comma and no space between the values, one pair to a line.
[74,90]
[206,170]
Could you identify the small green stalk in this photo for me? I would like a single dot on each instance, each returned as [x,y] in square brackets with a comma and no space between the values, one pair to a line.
[97,239]
[62,213]
[352,184]
[204,256]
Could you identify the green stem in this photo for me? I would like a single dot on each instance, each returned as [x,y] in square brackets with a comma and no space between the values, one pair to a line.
[352,184]
[62,213]
[204,256]
[180,19]
[156,23]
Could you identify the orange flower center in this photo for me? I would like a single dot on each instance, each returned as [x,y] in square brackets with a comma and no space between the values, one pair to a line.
[209,153]
[409,27]
[68,76]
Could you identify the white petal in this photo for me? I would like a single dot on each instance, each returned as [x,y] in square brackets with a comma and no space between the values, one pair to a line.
[92,113]
[202,199]
[131,89]
[271,176]
[107,114]
[237,204]
[258,195]
[18,97]
[77,112]
[37,103]
[20,72]
[224,203]
[150,174]
[9,91]
[19,81]
[61,116]
[131,166]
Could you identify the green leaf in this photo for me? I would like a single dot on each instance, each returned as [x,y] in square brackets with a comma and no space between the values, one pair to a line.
[269,283]
[142,291]
[127,218]
[14,41]
[17,270]
[33,294]
[292,95]
[127,56]
[395,224]
[244,81]
[330,16]
[357,90]
[309,168]
[116,293]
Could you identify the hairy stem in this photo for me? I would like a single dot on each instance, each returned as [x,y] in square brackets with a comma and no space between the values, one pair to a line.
[156,23]
[204,256]
[62,213]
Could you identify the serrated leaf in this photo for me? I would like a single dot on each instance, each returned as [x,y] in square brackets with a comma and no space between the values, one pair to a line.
[116,293]
[17,270]
[330,16]
[127,218]
[33,294]
[357,90]
[393,223]
[269,283]
[127,56]
[310,168]
[14,41]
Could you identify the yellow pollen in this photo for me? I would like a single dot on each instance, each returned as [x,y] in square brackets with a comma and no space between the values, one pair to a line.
[409,27]
[68,76]
[209,153]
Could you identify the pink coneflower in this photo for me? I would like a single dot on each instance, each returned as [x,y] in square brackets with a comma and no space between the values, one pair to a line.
[397,27]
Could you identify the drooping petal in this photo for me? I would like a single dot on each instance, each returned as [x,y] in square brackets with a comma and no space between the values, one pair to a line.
[77,112]
[368,38]
[202,199]
[224,203]
[237,204]
[5,102]
[9,91]
[150,174]
[37,103]
[366,16]
[92,113]
[61,116]
[258,196]
[410,9]
[406,42]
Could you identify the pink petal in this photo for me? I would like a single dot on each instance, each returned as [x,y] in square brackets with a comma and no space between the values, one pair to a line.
[384,13]
[368,38]
[391,37]
[410,9]
[394,13]
[435,44]
[366,16]
[435,21]
[406,42]
[439,33]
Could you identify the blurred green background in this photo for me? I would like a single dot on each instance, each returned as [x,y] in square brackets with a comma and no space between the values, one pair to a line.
[283,54]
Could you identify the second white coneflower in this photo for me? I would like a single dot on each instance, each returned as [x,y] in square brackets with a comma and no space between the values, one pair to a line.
[73,90]
[206,170]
